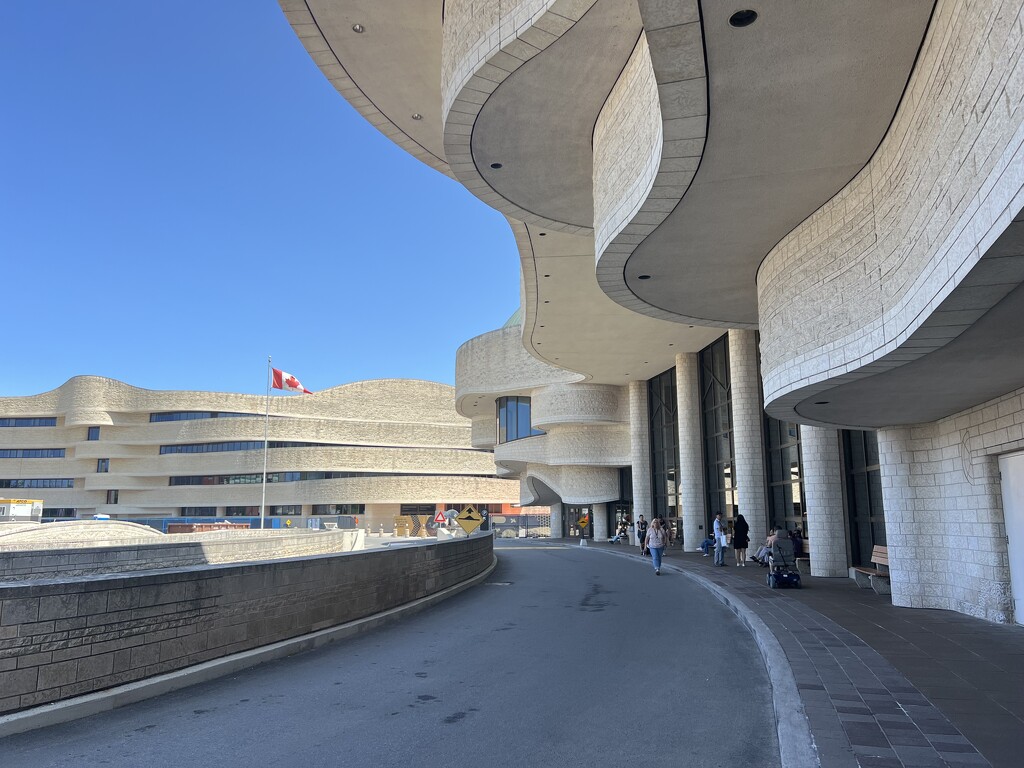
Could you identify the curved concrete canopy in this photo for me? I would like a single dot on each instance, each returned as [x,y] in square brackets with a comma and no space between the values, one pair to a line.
[569,322]
[539,122]
[969,350]
[394,63]
[798,102]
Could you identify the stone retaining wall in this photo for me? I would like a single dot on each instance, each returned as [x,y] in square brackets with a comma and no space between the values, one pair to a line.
[68,638]
[38,560]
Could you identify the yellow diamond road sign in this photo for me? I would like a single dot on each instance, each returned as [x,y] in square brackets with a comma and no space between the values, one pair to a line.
[582,522]
[469,519]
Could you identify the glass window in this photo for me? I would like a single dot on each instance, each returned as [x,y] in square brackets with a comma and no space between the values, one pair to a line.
[285,509]
[785,478]
[198,511]
[242,511]
[41,421]
[102,465]
[514,419]
[716,405]
[31,453]
[111,497]
[60,482]
[663,425]
[94,433]
[863,494]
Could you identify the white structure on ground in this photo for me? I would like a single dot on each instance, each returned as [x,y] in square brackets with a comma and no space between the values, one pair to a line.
[375,449]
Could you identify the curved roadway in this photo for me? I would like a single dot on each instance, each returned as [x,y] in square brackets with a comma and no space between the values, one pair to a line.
[561,659]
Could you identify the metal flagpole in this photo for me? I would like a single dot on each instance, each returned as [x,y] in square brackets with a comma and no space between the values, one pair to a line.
[266,426]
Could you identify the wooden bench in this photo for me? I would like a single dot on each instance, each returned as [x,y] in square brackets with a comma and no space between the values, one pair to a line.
[875,578]
[803,563]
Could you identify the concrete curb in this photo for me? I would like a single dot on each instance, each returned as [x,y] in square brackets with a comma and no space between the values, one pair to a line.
[112,698]
[796,744]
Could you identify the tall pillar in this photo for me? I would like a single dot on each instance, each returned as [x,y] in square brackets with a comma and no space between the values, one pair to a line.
[640,451]
[599,519]
[556,521]
[691,450]
[748,432]
[823,491]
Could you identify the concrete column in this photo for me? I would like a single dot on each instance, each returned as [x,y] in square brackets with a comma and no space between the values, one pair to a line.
[556,521]
[640,451]
[692,498]
[823,490]
[748,431]
[599,516]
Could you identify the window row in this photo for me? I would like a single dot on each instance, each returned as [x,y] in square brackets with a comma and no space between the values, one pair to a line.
[195,415]
[62,482]
[31,453]
[35,421]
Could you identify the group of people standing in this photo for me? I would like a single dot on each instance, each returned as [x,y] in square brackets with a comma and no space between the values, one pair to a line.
[653,538]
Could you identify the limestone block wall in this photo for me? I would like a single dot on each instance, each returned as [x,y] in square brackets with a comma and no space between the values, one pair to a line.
[822,466]
[579,403]
[52,561]
[72,637]
[572,445]
[943,509]
[856,278]
[573,485]
[748,432]
[495,364]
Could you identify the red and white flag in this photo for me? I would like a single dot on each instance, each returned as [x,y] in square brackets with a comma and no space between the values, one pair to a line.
[284,380]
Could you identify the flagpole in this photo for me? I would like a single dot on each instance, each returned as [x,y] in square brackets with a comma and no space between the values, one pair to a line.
[266,427]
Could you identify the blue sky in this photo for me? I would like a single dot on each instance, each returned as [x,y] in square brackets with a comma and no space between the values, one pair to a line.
[182,193]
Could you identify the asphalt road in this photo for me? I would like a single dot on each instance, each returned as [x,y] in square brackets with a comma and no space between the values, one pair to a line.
[565,657]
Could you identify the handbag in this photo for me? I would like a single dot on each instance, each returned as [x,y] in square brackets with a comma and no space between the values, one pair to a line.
[723,541]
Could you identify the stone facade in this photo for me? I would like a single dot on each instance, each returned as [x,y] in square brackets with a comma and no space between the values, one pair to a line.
[822,466]
[748,432]
[853,282]
[393,441]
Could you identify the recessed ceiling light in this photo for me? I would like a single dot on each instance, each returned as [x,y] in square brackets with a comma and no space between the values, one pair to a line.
[417,116]
[645,362]
[743,18]
[643,277]
[358,29]
[671,345]
[495,166]
[542,326]
[547,275]
[543,234]
[822,402]
[546,301]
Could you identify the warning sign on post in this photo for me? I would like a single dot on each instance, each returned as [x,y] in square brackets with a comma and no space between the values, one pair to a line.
[469,519]
[440,518]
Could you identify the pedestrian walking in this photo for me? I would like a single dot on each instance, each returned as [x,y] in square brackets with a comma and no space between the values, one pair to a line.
[740,539]
[655,542]
[641,534]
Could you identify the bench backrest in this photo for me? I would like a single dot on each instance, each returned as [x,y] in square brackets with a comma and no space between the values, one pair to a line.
[880,556]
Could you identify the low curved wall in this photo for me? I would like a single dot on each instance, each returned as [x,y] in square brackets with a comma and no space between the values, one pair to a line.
[40,560]
[68,638]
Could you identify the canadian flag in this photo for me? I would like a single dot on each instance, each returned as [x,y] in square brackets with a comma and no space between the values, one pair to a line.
[284,380]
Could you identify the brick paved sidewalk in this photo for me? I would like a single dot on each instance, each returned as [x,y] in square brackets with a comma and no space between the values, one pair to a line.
[887,687]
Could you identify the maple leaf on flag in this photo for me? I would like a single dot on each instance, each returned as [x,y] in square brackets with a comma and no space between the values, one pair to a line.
[287,382]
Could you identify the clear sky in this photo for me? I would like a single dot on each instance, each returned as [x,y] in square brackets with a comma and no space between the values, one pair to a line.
[182,193]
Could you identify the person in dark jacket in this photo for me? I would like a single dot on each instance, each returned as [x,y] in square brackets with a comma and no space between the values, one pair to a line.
[740,539]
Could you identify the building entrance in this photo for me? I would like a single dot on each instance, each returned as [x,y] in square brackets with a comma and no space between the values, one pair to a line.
[1011,468]
[572,517]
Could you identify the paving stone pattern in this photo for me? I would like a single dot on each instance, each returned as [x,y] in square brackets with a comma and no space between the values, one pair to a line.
[889,687]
